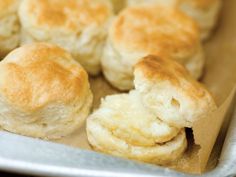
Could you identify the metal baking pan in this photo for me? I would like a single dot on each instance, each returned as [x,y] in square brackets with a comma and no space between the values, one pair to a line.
[37,157]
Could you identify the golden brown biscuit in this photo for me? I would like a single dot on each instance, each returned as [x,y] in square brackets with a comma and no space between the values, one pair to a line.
[44,92]
[79,26]
[205,12]
[9,26]
[170,92]
[142,30]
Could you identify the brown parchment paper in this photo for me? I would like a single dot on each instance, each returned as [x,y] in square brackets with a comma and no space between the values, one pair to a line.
[220,79]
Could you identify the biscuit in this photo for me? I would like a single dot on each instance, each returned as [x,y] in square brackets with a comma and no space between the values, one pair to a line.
[123,127]
[142,30]
[147,124]
[171,93]
[44,92]
[79,26]
[9,26]
[205,12]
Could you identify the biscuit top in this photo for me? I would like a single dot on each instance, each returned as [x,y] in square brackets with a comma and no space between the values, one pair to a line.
[69,14]
[156,69]
[8,7]
[154,30]
[36,75]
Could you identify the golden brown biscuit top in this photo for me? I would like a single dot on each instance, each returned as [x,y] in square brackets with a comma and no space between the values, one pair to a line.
[8,6]
[156,69]
[70,14]
[154,29]
[35,75]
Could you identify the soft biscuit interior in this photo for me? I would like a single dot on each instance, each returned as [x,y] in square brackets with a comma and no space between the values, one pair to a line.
[123,126]
[126,117]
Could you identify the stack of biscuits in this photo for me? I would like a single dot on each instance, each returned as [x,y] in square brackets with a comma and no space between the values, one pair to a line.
[151,51]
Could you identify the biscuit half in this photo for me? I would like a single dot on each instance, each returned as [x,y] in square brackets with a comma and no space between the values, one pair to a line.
[170,92]
[122,126]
